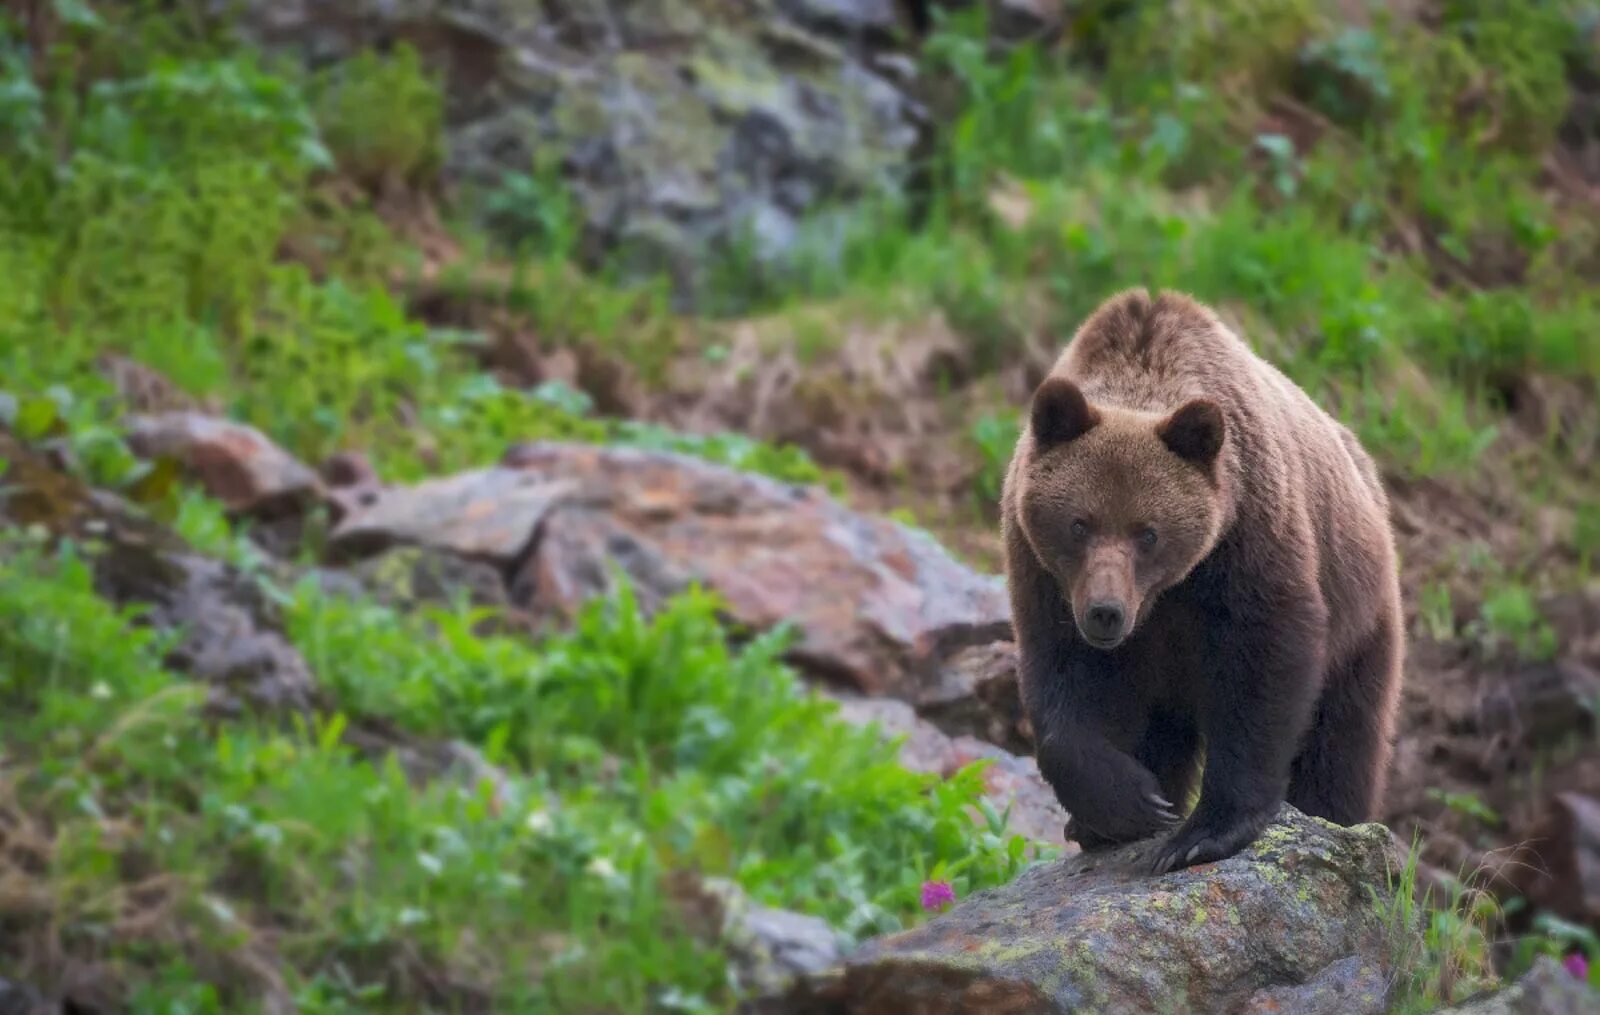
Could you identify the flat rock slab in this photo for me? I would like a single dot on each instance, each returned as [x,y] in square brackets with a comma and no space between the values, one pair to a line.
[877,606]
[488,514]
[1297,916]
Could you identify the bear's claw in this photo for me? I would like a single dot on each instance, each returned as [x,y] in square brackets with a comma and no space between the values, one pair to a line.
[1205,842]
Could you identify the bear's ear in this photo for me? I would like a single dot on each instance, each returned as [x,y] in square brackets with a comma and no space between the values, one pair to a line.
[1194,431]
[1060,413]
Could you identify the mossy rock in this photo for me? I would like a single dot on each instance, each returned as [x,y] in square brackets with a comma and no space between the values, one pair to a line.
[1298,921]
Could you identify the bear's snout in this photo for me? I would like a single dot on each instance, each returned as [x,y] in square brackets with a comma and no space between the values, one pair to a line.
[1105,623]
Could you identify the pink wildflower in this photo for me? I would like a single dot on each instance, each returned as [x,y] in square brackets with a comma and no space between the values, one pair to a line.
[1576,964]
[936,895]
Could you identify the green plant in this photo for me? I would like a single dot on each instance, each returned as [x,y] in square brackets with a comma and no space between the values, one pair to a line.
[995,436]
[1469,804]
[382,116]
[201,857]
[1442,949]
[1510,618]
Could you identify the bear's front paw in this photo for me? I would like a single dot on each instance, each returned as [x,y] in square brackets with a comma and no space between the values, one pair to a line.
[1128,824]
[1087,838]
[1206,840]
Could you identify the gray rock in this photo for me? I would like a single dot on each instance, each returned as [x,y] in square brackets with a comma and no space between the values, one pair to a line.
[231,638]
[17,999]
[1546,989]
[1294,916]
[1350,986]
[768,948]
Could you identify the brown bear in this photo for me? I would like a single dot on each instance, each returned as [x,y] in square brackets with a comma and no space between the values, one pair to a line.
[1200,561]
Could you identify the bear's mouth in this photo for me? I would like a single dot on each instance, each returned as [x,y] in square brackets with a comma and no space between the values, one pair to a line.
[1103,644]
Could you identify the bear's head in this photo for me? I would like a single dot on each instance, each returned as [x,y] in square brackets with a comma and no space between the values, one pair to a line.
[1118,505]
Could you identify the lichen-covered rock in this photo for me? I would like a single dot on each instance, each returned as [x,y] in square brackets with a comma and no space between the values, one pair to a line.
[1298,915]
[679,125]
[234,463]
[876,606]
[1546,989]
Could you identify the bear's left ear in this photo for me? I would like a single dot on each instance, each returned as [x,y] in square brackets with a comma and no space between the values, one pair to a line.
[1194,431]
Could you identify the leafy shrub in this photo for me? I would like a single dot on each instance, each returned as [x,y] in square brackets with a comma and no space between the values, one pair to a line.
[382,116]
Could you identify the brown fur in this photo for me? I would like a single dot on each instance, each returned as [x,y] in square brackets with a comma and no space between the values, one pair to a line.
[1232,583]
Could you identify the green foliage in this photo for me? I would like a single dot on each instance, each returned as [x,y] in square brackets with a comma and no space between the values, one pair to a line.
[1554,938]
[1442,948]
[996,438]
[1510,618]
[633,748]
[382,117]
[158,235]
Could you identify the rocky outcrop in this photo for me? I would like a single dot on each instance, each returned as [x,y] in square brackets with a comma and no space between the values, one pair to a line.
[878,608]
[1290,924]
[680,126]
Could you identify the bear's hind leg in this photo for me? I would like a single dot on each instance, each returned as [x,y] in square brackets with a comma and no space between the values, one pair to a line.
[1342,768]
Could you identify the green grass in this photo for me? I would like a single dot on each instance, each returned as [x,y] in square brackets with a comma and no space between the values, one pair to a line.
[178,861]
[1441,948]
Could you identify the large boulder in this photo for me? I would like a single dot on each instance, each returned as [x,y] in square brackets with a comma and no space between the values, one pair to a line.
[1295,922]
[877,607]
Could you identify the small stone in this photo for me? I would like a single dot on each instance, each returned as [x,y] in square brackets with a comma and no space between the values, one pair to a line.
[232,462]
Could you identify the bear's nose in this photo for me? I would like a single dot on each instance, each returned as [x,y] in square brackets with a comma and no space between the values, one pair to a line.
[1105,620]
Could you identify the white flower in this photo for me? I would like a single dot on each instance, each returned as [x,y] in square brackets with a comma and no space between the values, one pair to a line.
[101,691]
[538,822]
[602,868]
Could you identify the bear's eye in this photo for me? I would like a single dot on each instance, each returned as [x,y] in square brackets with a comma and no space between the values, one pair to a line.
[1080,529]
[1147,537]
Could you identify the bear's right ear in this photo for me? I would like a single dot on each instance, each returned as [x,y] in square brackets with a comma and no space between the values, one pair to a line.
[1060,413]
